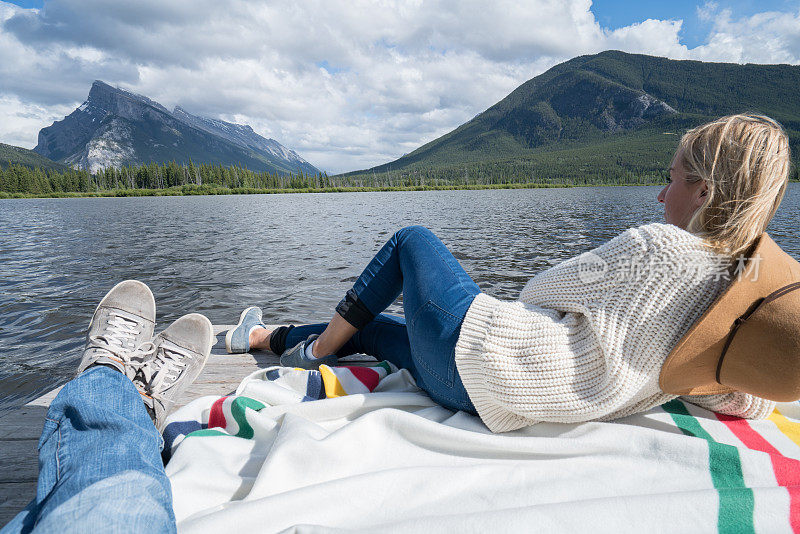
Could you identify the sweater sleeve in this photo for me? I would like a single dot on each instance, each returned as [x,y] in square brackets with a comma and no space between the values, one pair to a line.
[523,364]
[737,404]
[588,277]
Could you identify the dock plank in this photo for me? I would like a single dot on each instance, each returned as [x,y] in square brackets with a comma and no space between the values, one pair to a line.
[19,463]
[15,498]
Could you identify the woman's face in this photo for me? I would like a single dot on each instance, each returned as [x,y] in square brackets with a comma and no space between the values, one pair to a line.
[681,198]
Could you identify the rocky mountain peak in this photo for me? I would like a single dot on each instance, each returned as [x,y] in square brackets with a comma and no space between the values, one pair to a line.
[99,87]
[116,127]
[119,101]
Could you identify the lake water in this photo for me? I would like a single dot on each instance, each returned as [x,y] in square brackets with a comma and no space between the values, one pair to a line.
[293,255]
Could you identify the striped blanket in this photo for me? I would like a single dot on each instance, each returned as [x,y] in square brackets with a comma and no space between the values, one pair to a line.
[362,448]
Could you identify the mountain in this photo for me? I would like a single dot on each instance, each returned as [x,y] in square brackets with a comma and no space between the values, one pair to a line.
[114,127]
[244,136]
[606,114]
[14,155]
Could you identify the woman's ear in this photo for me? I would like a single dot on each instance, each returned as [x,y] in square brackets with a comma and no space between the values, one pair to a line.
[701,194]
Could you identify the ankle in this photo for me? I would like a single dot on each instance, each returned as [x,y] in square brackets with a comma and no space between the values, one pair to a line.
[152,413]
[309,350]
[259,338]
[319,349]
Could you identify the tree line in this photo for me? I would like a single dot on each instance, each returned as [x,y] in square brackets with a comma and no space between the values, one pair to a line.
[19,179]
[154,176]
[22,179]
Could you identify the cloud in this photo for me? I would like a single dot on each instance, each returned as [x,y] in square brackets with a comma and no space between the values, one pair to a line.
[768,37]
[348,84]
[28,118]
[706,11]
[658,37]
[52,73]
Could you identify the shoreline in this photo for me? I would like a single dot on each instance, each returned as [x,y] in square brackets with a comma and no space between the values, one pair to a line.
[203,190]
[182,191]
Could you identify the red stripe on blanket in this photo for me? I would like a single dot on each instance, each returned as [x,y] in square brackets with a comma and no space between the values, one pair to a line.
[216,417]
[787,470]
[366,376]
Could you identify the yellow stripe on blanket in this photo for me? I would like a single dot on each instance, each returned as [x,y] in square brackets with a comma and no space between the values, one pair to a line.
[790,428]
[333,388]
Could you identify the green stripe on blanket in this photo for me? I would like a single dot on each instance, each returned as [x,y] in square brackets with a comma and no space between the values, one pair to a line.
[736,501]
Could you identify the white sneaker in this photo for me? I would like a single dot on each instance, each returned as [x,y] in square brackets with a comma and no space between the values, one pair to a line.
[180,352]
[121,329]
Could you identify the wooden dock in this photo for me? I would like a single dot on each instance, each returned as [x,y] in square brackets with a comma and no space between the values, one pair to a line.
[20,429]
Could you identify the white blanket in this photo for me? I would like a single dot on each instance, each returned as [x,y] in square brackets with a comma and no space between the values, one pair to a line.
[393,461]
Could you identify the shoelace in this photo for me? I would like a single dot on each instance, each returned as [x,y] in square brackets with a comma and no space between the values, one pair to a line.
[119,342]
[122,331]
[131,360]
[163,370]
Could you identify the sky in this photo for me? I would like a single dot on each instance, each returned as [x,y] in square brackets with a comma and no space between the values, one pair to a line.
[348,84]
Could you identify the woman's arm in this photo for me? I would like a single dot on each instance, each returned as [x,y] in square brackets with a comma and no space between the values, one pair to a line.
[737,404]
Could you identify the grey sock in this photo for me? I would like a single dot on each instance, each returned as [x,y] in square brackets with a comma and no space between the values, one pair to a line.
[308,354]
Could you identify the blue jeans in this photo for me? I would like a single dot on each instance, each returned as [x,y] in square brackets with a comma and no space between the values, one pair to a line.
[437,293]
[100,466]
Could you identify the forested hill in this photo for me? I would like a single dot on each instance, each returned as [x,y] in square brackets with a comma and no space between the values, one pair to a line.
[603,117]
[14,155]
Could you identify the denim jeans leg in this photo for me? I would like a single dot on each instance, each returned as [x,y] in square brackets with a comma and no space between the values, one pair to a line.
[437,293]
[23,521]
[100,464]
[416,263]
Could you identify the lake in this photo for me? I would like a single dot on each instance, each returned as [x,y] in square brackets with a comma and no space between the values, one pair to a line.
[293,255]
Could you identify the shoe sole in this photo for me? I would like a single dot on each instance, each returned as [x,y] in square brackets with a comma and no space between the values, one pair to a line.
[229,333]
[212,341]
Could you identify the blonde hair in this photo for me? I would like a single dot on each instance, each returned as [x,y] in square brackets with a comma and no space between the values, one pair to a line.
[745,162]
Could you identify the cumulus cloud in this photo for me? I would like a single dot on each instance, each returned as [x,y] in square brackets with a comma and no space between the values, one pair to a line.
[348,84]
[28,119]
[769,37]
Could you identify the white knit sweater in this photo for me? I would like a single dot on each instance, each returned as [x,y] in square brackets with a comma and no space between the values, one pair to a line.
[587,338]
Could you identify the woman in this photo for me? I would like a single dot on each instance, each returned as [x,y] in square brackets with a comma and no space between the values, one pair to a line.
[587,338]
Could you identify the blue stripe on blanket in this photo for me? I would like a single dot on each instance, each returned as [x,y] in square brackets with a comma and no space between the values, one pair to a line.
[179,428]
[314,389]
[273,374]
